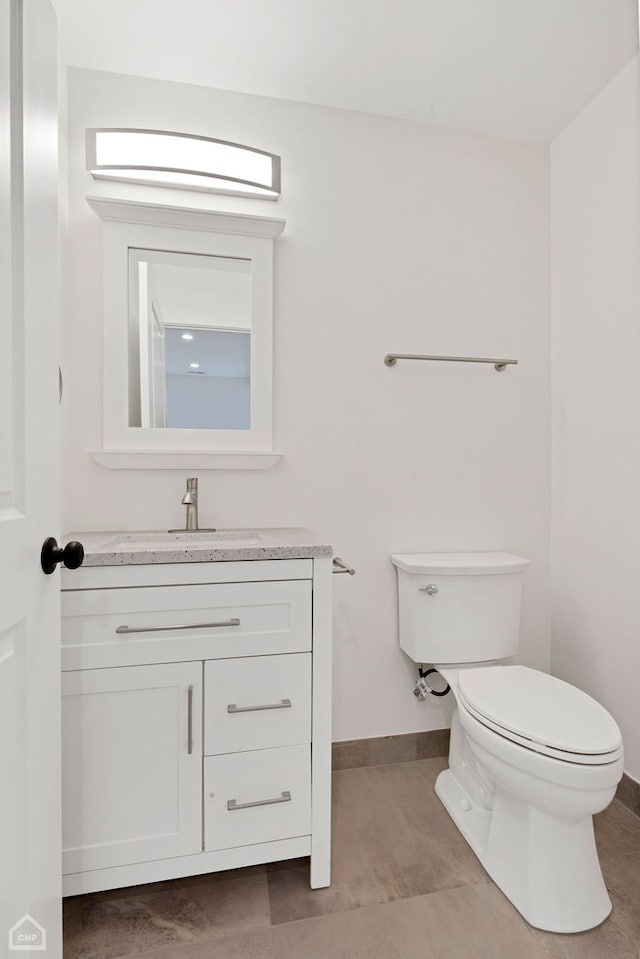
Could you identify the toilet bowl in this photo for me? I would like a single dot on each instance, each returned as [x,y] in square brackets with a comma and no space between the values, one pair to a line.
[531,758]
[524,806]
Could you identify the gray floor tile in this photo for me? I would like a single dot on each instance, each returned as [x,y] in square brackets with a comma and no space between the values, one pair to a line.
[470,922]
[405,884]
[128,892]
[252,945]
[109,926]
[605,942]
[618,837]
[391,840]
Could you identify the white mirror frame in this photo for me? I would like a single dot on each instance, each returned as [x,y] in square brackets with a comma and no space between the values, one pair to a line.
[133,224]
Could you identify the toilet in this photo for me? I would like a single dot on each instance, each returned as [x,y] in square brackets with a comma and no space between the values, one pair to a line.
[531,758]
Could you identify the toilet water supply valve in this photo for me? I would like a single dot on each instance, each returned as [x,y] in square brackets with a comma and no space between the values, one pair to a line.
[422,689]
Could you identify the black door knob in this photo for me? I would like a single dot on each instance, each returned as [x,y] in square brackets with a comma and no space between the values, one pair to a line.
[71,556]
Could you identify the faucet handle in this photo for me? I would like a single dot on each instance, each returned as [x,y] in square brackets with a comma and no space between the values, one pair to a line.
[190,498]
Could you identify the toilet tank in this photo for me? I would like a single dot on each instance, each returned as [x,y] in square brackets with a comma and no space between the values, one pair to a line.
[459,607]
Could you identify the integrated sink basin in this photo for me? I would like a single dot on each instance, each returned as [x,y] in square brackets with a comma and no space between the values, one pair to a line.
[196,539]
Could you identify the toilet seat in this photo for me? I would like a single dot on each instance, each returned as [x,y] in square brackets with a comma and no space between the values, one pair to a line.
[541,713]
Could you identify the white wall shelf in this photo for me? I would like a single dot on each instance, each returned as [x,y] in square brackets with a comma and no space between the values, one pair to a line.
[185,217]
[184,459]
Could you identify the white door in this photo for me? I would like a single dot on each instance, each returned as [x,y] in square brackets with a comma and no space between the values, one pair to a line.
[132,765]
[29,600]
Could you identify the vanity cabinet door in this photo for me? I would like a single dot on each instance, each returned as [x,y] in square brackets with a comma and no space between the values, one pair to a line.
[132,765]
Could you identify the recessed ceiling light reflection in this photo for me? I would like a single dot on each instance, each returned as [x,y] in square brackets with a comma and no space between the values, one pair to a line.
[187,336]
[194,366]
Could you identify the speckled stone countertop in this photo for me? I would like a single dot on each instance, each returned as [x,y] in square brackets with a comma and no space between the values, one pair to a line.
[219,546]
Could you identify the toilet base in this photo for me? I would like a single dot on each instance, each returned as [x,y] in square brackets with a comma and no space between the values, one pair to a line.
[472,821]
[547,867]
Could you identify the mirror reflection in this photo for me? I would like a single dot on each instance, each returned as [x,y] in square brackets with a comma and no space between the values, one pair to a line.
[189,341]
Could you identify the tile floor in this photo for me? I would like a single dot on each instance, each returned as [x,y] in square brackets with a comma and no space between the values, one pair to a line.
[405,885]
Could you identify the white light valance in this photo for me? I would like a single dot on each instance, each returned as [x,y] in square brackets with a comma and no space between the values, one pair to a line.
[183,161]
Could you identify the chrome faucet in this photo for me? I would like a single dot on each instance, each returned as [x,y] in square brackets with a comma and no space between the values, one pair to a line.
[190,500]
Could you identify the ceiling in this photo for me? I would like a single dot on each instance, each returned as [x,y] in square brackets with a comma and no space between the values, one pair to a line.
[515,68]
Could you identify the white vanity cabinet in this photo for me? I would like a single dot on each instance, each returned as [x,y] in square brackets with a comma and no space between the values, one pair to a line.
[196,719]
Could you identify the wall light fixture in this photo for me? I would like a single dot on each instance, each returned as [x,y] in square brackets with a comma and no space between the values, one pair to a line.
[183,161]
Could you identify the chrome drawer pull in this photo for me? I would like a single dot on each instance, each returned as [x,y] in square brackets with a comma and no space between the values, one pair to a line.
[283,704]
[164,629]
[189,719]
[233,804]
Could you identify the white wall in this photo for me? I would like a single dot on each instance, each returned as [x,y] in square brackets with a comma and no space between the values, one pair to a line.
[595,239]
[400,237]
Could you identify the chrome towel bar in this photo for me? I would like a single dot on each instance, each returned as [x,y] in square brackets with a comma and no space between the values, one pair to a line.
[500,365]
[339,566]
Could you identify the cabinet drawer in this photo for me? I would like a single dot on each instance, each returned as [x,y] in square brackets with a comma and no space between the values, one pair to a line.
[160,624]
[257,702]
[258,796]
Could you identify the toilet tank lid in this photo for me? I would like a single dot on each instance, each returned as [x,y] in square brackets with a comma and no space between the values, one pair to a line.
[460,564]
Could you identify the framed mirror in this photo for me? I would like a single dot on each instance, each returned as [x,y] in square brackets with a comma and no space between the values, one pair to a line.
[188,337]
